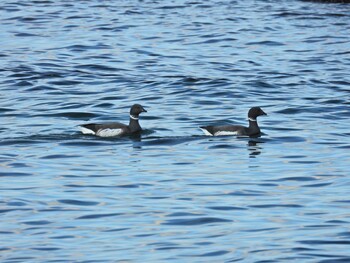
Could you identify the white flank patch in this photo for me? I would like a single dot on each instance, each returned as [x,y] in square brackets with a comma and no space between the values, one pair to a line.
[109,132]
[206,132]
[86,131]
[221,133]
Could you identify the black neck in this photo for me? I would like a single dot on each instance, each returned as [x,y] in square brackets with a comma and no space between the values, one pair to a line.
[134,123]
[253,127]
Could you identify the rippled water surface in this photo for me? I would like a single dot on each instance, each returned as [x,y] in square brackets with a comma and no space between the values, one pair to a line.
[174,195]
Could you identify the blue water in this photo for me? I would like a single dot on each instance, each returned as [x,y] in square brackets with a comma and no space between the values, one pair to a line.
[174,195]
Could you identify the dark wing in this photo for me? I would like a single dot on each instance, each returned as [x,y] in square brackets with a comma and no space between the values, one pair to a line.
[224,130]
[104,129]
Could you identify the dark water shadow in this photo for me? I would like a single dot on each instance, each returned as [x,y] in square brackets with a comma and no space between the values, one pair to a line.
[254,147]
[147,138]
[165,141]
[139,140]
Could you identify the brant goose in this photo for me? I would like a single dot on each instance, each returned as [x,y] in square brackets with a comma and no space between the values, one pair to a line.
[252,130]
[115,128]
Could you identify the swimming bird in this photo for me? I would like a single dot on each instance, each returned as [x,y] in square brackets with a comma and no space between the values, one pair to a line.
[115,128]
[252,130]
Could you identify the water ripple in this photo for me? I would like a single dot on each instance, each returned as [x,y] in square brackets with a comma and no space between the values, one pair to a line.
[196,221]
[172,194]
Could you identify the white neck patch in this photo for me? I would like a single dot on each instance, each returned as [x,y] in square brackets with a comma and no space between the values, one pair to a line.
[251,119]
[134,118]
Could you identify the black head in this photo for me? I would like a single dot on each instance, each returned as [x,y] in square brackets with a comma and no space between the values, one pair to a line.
[136,109]
[255,112]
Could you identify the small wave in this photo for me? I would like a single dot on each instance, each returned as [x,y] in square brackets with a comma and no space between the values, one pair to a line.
[78,202]
[215,253]
[97,216]
[97,67]
[46,248]
[277,206]
[65,82]
[297,179]
[317,185]
[70,115]
[37,223]
[266,43]
[226,208]
[196,221]
[16,174]
[25,35]
[325,242]
[3,110]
